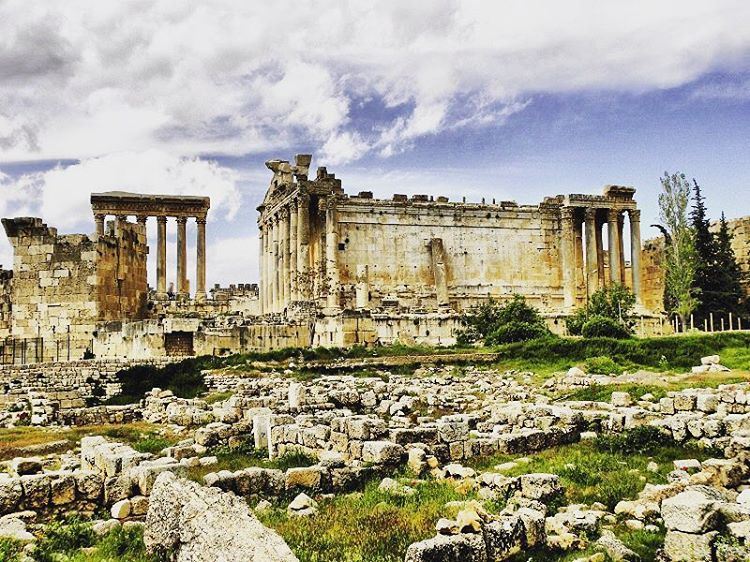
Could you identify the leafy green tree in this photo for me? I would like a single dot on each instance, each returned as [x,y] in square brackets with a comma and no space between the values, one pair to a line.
[615,302]
[496,323]
[681,257]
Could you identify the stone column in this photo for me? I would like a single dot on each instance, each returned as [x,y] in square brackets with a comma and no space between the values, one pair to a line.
[161,257]
[592,258]
[303,246]
[261,268]
[99,221]
[613,228]
[600,252]
[200,260]
[275,264]
[580,271]
[181,257]
[293,277]
[635,253]
[267,269]
[621,240]
[332,249]
[118,222]
[284,258]
[568,256]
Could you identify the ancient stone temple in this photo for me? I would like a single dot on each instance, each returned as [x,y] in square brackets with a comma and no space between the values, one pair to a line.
[122,205]
[320,245]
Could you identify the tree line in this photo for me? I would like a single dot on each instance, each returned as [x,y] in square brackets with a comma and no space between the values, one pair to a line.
[701,273]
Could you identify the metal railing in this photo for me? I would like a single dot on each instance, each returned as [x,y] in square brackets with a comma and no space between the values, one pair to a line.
[22,351]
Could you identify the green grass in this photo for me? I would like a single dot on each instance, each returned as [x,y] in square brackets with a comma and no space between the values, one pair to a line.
[600,472]
[215,397]
[370,526]
[245,456]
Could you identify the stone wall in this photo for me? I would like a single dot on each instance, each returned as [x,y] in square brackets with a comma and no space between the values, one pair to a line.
[63,285]
[6,288]
[64,385]
[740,230]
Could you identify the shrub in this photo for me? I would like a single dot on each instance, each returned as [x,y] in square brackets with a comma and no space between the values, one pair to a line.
[514,321]
[643,439]
[62,538]
[603,327]
[602,365]
[515,332]
[614,302]
[10,549]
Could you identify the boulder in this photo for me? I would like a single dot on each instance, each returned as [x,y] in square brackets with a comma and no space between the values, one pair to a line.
[195,523]
[382,452]
[615,548]
[696,510]
[444,548]
[689,547]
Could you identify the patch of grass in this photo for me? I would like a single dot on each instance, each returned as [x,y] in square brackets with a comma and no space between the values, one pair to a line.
[10,550]
[602,366]
[592,472]
[137,434]
[119,545]
[63,538]
[370,526]
[603,393]
[245,456]
[215,397]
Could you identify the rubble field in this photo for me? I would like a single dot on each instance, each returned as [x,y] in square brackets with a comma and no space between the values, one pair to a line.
[469,461]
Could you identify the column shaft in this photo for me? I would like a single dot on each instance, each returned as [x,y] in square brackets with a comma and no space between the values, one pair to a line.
[275,265]
[332,247]
[613,229]
[600,253]
[592,258]
[200,261]
[99,221]
[635,253]
[293,249]
[567,250]
[261,268]
[303,247]
[181,256]
[621,240]
[161,257]
[284,258]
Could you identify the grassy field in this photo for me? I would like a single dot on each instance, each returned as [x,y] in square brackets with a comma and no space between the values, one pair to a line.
[142,436]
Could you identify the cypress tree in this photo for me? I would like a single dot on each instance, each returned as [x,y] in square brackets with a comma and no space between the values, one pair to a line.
[728,273]
[705,281]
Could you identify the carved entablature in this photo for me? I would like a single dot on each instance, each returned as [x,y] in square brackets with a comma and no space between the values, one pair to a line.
[120,203]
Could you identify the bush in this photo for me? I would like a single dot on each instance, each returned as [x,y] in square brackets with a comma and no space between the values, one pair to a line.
[514,321]
[63,537]
[603,327]
[614,302]
[643,439]
[602,366]
[516,332]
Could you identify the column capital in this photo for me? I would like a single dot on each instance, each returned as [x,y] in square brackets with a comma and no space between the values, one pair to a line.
[181,220]
[141,219]
[635,215]
[613,215]
[200,220]
[161,220]
[590,213]
[567,214]
[284,212]
[100,216]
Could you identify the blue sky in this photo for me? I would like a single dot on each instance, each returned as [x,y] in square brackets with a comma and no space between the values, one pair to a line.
[511,100]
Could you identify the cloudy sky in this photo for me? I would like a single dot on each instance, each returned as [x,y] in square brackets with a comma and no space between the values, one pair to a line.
[504,99]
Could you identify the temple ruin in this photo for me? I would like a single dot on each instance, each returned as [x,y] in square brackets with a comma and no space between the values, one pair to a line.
[336,269]
[352,252]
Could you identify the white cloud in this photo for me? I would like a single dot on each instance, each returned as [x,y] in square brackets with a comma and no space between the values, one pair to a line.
[233,260]
[81,80]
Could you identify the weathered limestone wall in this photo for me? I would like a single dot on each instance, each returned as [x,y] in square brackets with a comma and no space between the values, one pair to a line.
[486,249]
[121,273]
[64,285]
[6,288]
[653,274]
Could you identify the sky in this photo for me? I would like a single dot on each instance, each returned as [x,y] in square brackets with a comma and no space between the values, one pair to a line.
[512,100]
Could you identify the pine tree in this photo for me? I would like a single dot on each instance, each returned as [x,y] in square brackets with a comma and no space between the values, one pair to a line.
[728,273]
[706,282]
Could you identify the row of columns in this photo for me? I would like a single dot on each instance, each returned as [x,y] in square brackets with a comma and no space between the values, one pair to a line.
[285,254]
[594,273]
[183,289]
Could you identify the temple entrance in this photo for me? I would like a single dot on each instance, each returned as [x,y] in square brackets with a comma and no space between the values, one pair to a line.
[178,344]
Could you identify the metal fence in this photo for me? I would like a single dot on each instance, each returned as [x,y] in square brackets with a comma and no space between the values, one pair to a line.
[21,351]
